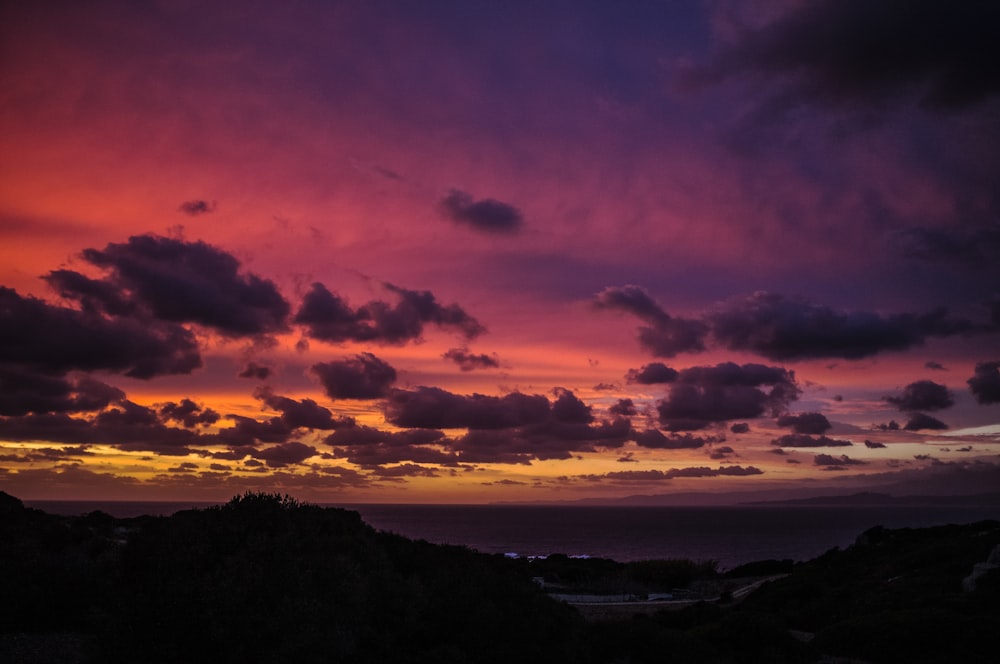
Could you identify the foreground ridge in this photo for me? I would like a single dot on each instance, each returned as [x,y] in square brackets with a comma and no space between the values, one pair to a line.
[265,578]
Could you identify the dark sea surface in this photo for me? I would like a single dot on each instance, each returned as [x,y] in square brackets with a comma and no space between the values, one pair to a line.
[729,535]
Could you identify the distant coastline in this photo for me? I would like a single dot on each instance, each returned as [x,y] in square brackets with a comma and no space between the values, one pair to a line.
[885,500]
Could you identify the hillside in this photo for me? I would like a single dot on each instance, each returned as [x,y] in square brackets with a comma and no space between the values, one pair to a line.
[267,579]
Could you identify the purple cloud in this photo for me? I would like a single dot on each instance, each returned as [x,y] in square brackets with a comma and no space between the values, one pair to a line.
[487,215]
[362,377]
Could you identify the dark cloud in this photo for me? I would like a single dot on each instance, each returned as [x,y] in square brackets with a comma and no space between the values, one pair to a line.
[467,361]
[935,366]
[546,440]
[358,435]
[196,207]
[804,440]
[255,371]
[285,454]
[514,428]
[370,456]
[434,408]
[842,460]
[191,282]
[985,383]
[652,374]
[569,408]
[781,328]
[127,426]
[838,52]
[487,214]
[873,445]
[362,377]
[302,414]
[93,295]
[49,454]
[922,421]
[623,408]
[892,425]
[188,413]
[810,423]
[923,395]
[975,247]
[695,471]
[740,427]
[23,392]
[664,336]
[405,470]
[246,432]
[328,317]
[706,395]
[654,439]
[56,340]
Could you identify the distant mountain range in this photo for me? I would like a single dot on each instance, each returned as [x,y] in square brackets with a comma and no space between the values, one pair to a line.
[870,498]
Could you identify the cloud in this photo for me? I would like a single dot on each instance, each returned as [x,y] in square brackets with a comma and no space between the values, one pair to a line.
[127,426]
[923,395]
[196,207]
[405,470]
[188,413]
[23,392]
[934,366]
[487,215]
[55,340]
[514,428]
[836,52]
[665,336]
[810,423]
[804,440]
[873,445]
[434,408]
[328,317]
[362,377]
[781,328]
[985,383]
[695,471]
[368,446]
[921,422]
[569,408]
[705,395]
[467,361]
[623,408]
[778,328]
[652,374]
[189,282]
[285,454]
[255,371]
[302,414]
[740,427]
[654,439]
[49,454]
[843,460]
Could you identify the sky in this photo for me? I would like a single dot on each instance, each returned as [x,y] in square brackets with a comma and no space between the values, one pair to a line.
[466,252]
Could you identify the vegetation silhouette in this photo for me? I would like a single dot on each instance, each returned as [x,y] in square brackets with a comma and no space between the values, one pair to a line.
[265,578]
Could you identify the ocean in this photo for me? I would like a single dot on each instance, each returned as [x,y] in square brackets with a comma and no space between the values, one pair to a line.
[730,536]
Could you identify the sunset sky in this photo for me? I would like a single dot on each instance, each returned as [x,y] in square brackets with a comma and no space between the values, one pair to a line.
[478,251]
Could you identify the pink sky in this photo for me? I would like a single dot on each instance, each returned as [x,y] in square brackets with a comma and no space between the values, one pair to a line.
[511,215]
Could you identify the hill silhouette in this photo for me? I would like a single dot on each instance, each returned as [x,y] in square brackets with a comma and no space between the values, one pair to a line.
[265,578]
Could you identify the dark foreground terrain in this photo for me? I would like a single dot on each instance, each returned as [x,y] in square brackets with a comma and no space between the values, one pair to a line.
[267,579]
